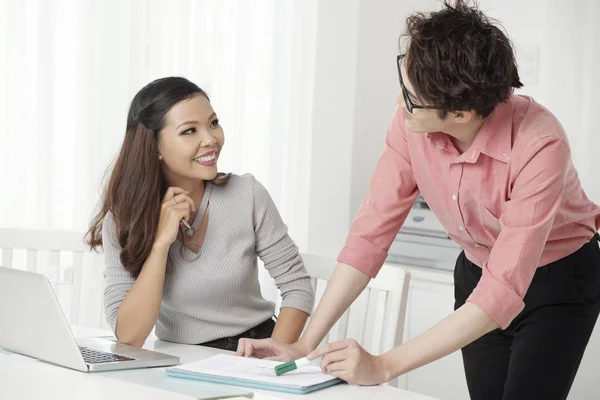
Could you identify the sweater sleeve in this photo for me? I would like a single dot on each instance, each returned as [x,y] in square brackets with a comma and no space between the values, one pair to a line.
[118,281]
[279,253]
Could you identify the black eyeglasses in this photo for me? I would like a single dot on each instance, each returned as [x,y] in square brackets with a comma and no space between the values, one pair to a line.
[410,106]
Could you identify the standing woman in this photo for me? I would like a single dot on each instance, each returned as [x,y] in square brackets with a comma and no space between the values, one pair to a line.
[181,241]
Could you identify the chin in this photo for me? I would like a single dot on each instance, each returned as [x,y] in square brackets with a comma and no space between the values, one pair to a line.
[207,177]
[210,175]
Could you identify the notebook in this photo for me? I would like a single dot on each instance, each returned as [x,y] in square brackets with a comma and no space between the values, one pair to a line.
[254,373]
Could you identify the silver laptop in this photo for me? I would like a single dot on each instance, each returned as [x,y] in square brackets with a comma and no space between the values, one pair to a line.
[33,324]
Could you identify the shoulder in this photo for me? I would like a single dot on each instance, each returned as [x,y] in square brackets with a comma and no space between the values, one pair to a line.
[533,122]
[238,184]
[243,196]
[109,224]
[536,128]
[241,188]
[109,231]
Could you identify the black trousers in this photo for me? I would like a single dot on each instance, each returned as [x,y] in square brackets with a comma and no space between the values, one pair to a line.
[261,331]
[538,355]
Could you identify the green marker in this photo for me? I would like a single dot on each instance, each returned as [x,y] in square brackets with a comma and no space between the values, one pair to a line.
[291,366]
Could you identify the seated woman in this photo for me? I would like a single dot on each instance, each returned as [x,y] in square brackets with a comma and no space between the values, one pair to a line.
[181,241]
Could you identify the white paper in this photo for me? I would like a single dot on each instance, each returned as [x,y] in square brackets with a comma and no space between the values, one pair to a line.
[256,370]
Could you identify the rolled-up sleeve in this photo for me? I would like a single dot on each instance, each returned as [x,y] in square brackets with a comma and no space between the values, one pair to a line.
[391,194]
[118,281]
[279,253]
[525,225]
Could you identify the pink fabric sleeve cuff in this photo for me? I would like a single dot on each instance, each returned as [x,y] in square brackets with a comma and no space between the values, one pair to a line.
[362,255]
[497,300]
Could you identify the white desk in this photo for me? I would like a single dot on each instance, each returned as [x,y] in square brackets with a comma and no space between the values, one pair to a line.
[25,378]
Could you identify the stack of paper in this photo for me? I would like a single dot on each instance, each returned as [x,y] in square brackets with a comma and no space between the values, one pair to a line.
[254,373]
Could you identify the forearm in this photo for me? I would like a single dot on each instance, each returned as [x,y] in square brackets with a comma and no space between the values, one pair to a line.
[140,308]
[343,288]
[289,325]
[460,328]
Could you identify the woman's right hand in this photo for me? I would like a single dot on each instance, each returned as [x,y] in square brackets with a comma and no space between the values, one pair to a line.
[176,205]
[271,349]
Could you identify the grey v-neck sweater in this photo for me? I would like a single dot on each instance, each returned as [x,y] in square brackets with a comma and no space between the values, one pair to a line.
[219,295]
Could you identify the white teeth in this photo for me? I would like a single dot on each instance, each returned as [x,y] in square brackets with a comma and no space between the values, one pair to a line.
[206,158]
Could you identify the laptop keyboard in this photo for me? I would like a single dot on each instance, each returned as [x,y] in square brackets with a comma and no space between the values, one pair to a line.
[98,357]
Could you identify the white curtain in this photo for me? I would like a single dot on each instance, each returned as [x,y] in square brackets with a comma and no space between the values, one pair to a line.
[69,68]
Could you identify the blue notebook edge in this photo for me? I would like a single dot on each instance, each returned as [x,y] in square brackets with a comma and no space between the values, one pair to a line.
[174,372]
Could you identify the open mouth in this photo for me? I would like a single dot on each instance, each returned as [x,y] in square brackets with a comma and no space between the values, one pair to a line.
[207,159]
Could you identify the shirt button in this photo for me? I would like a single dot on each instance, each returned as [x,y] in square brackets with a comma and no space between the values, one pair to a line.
[461,228]
[477,245]
[506,157]
[454,197]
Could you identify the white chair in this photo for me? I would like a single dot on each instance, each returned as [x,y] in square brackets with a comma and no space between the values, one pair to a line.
[49,253]
[376,318]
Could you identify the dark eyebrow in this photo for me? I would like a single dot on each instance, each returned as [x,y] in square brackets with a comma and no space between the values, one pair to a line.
[187,123]
[196,122]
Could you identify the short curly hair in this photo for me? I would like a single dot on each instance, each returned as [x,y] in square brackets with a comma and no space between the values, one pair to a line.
[459,59]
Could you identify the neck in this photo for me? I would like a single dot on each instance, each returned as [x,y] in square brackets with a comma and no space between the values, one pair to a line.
[194,187]
[463,135]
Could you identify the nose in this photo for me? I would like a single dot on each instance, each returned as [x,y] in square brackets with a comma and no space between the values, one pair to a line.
[207,139]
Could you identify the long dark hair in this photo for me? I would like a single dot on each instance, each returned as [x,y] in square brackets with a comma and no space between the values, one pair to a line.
[136,186]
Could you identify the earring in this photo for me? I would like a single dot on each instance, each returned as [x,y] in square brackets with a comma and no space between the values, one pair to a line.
[160,157]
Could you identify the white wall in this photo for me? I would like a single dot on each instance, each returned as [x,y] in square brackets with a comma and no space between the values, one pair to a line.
[332,125]
[381,23]
[355,90]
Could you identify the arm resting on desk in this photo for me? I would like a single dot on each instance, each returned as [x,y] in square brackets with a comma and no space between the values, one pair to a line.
[289,325]
[140,308]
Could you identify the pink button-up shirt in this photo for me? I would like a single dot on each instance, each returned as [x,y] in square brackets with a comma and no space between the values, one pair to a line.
[512,201]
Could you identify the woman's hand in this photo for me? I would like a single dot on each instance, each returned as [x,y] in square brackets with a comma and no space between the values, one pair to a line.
[176,205]
[347,360]
[270,349]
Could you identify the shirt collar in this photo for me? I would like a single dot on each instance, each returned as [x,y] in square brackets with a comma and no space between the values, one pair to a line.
[494,138]
[438,140]
[497,132]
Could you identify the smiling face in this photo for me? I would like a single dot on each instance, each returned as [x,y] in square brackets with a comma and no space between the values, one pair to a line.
[190,141]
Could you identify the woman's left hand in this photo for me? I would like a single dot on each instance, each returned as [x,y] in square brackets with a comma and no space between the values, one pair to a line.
[347,360]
